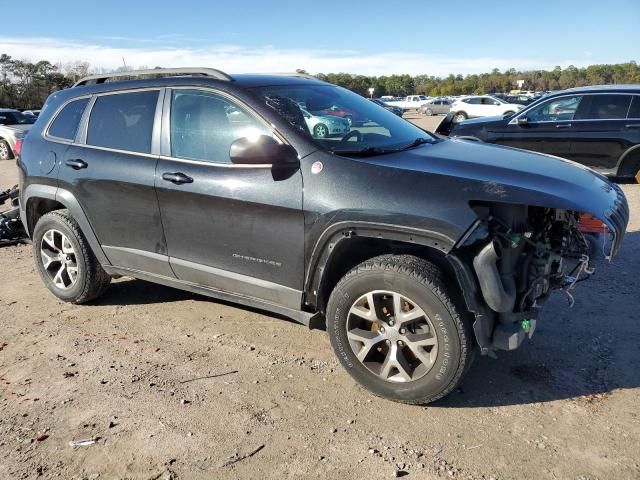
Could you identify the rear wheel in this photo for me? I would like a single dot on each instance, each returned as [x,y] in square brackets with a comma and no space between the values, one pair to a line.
[394,327]
[510,112]
[428,112]
[5,151]
[65,261]
[349,120]
[459,117]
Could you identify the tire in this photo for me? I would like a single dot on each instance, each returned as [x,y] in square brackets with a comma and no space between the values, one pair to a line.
[321,131]
[459,117]
[428,112]
[57,236]
[510,112]
[349,119]
[422,288]
[5,151]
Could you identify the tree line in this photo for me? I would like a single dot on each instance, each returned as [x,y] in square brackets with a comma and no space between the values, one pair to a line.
[24,84]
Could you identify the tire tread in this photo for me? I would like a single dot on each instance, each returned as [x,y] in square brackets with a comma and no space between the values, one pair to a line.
[431,277]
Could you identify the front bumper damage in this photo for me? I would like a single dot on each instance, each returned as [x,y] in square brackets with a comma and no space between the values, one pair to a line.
[499,323]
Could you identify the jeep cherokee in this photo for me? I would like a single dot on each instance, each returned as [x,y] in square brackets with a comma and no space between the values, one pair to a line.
[413,251]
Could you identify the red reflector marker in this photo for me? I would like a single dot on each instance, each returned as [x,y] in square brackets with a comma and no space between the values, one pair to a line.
[18,148]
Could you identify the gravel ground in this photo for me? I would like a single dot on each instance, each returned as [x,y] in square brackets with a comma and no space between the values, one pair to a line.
[163,384]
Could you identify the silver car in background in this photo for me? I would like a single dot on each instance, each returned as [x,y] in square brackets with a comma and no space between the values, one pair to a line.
[436,106]
[325,126]
[14,125]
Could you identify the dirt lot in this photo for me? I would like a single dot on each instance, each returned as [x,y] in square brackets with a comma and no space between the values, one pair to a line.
[172,385]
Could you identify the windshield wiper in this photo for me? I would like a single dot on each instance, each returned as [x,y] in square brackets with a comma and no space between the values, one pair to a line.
[371,151]
[415,143]
[367,151]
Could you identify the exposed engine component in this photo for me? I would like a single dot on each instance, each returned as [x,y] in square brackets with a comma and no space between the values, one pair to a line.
[519,254]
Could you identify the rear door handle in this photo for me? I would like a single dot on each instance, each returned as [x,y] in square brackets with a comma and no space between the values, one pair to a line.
[177,177]
[76,163]
[632,125]
[564,125]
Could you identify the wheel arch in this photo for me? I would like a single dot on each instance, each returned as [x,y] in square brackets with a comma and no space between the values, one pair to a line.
[39,200]
[629,162]
[343,246]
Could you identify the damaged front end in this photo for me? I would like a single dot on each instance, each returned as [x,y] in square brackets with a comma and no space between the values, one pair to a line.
[514,256]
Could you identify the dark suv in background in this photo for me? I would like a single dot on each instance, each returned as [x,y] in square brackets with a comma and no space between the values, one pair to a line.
[416,251]
[596,126]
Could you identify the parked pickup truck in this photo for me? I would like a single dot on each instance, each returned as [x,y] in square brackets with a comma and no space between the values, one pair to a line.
[410,102]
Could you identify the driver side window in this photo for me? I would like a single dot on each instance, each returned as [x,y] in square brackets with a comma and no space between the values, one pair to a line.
[556,109]
[205,124]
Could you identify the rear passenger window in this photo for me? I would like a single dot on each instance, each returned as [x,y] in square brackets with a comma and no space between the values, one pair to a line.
[123,121]
[603,107]
[66,123]
[634,111]
[204,125]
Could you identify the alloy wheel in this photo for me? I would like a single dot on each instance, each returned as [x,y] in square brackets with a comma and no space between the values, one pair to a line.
[392,336]
[322,131]
[4,151]
[59,259]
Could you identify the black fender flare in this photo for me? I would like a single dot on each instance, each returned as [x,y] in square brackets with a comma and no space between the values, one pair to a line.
[339,232]
[624,164]
[70,202]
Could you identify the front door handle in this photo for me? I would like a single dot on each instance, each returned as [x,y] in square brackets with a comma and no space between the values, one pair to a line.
[632,125]
[76,163]
[564,125]
[177,177]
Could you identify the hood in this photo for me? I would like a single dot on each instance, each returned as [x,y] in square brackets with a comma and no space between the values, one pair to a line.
[332,119]
[486,172]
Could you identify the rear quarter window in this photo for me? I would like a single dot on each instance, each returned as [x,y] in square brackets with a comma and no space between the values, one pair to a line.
[67,121]
[123,121]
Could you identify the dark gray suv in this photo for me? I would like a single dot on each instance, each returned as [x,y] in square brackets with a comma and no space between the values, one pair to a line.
[413,251]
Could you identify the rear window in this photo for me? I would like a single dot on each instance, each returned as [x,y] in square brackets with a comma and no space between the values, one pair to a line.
[603,107]
[123,121]
[634,111]
[66,123]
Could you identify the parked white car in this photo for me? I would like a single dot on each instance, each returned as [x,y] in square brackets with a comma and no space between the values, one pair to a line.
[325,126]
[410,102]
[482,106]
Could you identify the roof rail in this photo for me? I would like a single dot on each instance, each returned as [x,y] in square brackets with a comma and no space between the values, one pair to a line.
[295,74]
[162,72]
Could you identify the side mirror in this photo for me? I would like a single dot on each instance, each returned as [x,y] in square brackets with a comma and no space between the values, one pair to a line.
[262,150]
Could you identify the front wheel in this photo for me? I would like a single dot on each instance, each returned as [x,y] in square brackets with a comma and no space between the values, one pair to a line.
[394,326]
[321,131]
[428,112]
[509,113]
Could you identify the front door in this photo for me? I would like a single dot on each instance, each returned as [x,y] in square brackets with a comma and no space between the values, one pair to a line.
[234,228]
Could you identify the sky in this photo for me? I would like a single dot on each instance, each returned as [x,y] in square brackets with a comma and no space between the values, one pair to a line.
[366,37]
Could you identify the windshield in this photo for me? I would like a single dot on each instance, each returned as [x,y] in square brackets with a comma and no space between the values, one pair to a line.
[15,118]
[341,121]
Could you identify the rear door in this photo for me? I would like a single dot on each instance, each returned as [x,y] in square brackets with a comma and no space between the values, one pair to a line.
[599,130]
[110,171]
[235,228]
[549,128]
